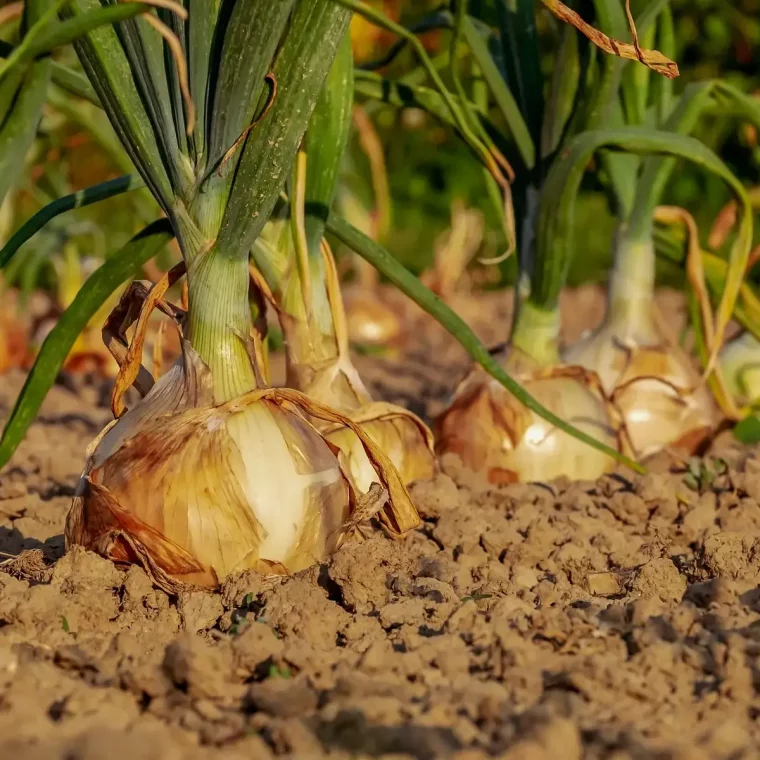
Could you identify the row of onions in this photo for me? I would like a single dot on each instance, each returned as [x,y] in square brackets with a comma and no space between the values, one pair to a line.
[237,122]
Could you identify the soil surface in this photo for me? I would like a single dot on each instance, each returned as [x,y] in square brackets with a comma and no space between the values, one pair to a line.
[610,619]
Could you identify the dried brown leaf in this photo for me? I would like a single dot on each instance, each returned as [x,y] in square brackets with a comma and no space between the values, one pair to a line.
[653,59]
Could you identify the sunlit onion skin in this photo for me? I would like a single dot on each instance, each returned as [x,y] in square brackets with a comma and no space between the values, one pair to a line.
[654,385]
[651,380]
[403,436]
[194,491]
[495,435]
[740,364]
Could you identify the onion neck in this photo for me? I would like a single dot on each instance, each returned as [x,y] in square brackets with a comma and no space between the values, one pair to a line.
[318,359]
[535,332]
[632,282]
[219,321]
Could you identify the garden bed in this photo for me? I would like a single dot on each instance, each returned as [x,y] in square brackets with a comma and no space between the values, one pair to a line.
[616,619]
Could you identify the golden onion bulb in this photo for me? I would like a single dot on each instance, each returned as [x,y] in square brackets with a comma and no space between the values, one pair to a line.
[495,435]
[653,383]
[195,491]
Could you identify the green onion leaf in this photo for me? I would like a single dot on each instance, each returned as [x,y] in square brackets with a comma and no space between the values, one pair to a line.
[315,31]
[555,238]
[78,199]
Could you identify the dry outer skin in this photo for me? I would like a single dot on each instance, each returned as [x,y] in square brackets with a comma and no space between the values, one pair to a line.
[616,619]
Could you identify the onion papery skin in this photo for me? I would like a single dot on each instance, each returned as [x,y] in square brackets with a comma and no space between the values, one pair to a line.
[498,437]
[195,491]
[404,437]
[655,386]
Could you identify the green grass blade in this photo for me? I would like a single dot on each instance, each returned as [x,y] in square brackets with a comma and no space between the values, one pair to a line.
[78,199]
[315,31]
[93,294]
[555,223]
[387,265]
[502,95]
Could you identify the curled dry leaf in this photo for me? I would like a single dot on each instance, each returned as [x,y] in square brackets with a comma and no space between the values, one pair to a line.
[653,59]
[403,436]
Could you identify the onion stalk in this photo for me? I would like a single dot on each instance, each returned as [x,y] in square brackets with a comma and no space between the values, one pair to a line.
[319,364]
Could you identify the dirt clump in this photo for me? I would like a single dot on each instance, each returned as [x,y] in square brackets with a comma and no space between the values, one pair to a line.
[611,619]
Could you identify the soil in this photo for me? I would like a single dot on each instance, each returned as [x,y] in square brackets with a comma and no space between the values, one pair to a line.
[610,619]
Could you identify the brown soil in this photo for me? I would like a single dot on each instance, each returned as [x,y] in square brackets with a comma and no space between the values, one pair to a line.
[616,619]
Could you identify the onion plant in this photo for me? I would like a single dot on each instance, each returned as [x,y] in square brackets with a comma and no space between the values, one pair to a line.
[497,436]
[213,471]
[663,398]
[301,275]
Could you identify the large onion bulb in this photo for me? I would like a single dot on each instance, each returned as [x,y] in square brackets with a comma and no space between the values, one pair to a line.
[195,491]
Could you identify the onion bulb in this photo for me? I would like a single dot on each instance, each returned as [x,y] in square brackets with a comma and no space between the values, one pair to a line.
[740,363]
[650,379]
[371,321]
[495,435]
[194,490]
